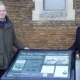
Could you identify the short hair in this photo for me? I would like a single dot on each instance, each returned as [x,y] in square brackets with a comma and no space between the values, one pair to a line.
[1,3]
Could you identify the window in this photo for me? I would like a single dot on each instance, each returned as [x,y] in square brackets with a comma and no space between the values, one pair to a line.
[53,10]
[54,5]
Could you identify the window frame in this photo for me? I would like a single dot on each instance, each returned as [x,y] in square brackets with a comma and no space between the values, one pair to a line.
[40,14]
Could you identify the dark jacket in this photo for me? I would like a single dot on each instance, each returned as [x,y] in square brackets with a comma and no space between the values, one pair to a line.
[7,41]
[76,46]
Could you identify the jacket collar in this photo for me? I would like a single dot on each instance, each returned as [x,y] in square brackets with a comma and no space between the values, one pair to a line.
[8,22]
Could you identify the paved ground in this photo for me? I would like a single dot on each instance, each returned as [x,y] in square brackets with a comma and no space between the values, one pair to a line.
[77,69]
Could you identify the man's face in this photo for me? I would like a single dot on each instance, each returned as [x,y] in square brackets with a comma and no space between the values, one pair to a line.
[3,12]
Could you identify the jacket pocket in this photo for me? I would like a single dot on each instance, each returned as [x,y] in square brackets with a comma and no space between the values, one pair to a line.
[1,59]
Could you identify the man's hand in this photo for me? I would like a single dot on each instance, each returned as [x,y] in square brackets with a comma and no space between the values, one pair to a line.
[26,48]
[77,56]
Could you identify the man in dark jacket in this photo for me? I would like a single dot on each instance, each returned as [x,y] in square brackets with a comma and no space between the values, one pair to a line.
[76,45]
[76,48]
[7,39]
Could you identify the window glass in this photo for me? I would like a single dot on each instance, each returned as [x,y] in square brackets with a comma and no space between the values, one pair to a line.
[51,5]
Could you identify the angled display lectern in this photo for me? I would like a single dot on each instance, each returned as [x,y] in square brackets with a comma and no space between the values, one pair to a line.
[41,65]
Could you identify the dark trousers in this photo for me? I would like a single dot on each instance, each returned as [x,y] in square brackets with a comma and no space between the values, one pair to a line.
[1,73]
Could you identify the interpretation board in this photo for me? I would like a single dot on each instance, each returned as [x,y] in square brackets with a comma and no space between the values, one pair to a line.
[40,65]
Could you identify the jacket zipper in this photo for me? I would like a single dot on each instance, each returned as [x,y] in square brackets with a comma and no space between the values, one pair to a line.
[5,45]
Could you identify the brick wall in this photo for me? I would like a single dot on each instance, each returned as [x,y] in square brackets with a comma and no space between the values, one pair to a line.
[41,35]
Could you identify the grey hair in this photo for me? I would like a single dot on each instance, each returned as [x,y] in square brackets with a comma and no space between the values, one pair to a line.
[1,3]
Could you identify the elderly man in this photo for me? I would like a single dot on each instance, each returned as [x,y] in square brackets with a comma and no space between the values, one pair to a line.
[7,39]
